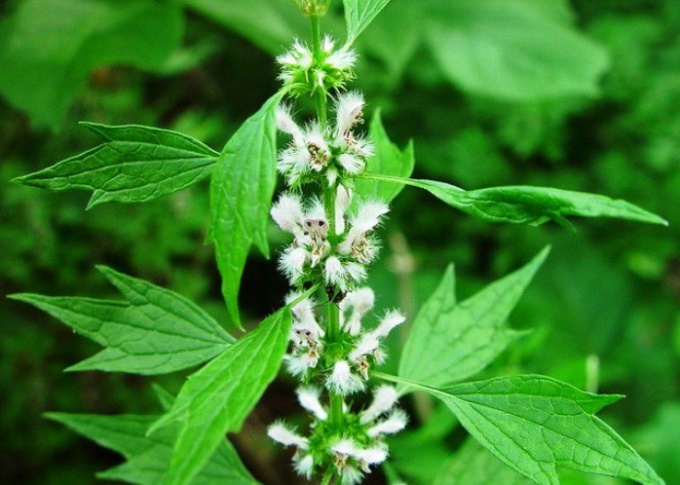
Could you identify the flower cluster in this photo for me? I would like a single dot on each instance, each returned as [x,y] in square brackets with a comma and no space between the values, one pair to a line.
[316,150]
[305,73]
[351,454]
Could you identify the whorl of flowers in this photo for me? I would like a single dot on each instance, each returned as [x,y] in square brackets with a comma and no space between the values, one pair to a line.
[333,241]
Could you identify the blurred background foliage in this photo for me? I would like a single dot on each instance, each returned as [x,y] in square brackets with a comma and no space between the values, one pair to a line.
[577,95]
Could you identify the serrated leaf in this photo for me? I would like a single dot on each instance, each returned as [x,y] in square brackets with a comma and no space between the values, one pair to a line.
[359,14]
[535,424]
[155,332]
[147,458]
[513,50]
[49,47]
[388,160]
[134,164]
[241,191]
[474,465]
[216,399]
[529,205]
[451,341]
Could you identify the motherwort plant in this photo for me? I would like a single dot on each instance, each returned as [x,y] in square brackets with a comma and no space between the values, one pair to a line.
[339,180]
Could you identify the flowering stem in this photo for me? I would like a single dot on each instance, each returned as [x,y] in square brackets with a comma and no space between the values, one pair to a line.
[320,92]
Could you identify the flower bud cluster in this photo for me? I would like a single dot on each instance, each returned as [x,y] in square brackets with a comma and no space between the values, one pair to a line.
[304,73]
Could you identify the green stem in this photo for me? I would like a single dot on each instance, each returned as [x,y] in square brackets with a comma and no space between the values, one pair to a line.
[328,476]
[320,92]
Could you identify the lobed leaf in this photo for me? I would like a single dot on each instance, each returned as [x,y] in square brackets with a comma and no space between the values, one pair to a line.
[241,191]
[535,424]
[216,399]
[134,164]
[529,205]
[147,458]
[49,47]
[359,14]
[451,341]
[388,160]
[155,331]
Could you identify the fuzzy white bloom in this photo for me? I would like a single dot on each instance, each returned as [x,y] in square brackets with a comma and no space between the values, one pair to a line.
[393,424]
[286,124]
[279,432]
[298,365]
[292,263]
[352,165]
[287,213]
[342,59]
[349,110]
[327,44]
[367,345]
[350,476]
[304,466]
[299,56]
[361,301]
[309,399]
[343,200]
[304,314]
[342,381]
[317,146]
[344,447]
[384,398]
[356,271]
[361,146]
[331,176]
[371,456]
[334,272]
[293,163]
[365,220]
[391,319]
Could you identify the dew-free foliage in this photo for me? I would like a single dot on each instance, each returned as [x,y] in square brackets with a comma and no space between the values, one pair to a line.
[155,331]
[451,341]
[535,424]
[527,204]
[241,191]
[359,14]
[133,164]
[147,457]
[217,399]
[48,47]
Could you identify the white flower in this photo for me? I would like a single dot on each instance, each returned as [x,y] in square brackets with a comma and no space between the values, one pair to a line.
[309,399]
[334,273]
[352,165]
[360,301]
[384,398]
[344,447]
[371,456]
[342,59]
[299,364]
[395,423]
[317,146]
[356,271]
[279,432]
[327,44]
[389,321]
[331,176]
[287,213]
[350,476]
[299,56]
[294,162]
[343,199]
[304,466]
[349,110]
[367,345]
[342,381]
[365,220]
[292,263]
[286,124]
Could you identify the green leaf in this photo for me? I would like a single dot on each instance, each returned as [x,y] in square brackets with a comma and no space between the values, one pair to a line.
[451,341]
[513,50]
[217,399]
[388,160]
[134,164]
[535,424]
[359,14]
[529,205]
[240,198]
[474,465]
[155,332]
[49,47]
[147,458]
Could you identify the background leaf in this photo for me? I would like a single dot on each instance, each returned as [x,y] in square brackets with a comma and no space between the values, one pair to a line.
[241,191]
[147,458]
[217,399]
[451,341]
[155,332]
[48,47]
[388,160]
[359,14]
[134,164]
